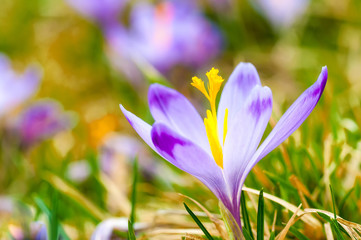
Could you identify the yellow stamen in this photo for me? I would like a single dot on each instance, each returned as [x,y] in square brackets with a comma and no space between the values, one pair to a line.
[199,84]
[211,128]
[210,122]
[225,125]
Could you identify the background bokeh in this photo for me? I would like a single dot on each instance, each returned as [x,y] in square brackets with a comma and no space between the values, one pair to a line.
[68,147]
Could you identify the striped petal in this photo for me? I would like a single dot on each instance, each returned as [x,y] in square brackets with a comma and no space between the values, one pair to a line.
[174,110]
[189,157]
[238,87]
[292,119]
[244,135]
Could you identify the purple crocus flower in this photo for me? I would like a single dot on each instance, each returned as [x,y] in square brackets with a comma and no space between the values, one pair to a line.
[282,13]
[170,33]
[41,121]
[15,88]
[221,151]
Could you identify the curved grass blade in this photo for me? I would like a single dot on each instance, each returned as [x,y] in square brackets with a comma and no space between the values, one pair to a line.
[55,228]
[273,236]
[335,228]
[298,234]
[72,193]
[333,202]
[198,222]
[247,229]
[260,217]
[334,224]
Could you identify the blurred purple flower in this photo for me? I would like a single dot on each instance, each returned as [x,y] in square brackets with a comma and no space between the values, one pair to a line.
[282,13]
[167,34]
[101,11]
[223,149]
[121,147]
[15,88]
[41,121]
[171,33]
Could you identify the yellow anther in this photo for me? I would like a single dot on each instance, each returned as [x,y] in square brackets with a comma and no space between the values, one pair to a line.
[225,125]
[199,84]
[214,84]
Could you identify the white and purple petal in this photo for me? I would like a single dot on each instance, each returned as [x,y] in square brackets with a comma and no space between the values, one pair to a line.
[189,157]
[235,92]
[142,128]
[174,110]
[16,88]
[291,119]
[244,136]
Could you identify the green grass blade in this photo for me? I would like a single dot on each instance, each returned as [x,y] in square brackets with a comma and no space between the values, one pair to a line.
[245,217]
[260,217]
[281,181]
[55,228]
[42,206]
[198,222]
[343,201]
[272,236]
[335,228]
[333,202]
[134,190]
[63,234]
[247,235]
[131,234]
[324,216]
[54,223]
[334,225]
[298,234]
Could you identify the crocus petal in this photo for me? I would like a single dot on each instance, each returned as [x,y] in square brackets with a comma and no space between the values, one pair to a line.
[244,135]
[292,119]
[16,88]
[105,229]
[190,158]
[141,127]
[174,110]
[235,92]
